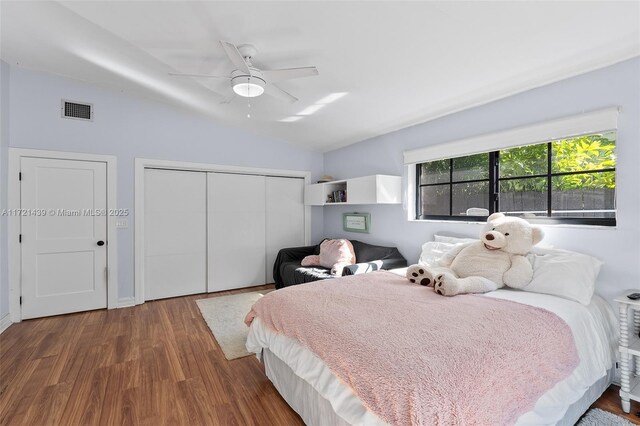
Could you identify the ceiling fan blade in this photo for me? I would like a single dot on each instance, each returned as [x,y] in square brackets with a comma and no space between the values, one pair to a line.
[274,76]
[177,74]
[277,92]
[235,57]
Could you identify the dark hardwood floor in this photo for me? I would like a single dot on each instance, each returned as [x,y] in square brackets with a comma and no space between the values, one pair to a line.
[153,364]
[610,401]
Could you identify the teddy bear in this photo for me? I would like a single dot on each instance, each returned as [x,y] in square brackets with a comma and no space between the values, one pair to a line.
[498,259]
[417,274]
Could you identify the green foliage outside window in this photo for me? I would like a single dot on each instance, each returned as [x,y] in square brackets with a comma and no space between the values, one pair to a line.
[594,152]
[585,153]
[581,177]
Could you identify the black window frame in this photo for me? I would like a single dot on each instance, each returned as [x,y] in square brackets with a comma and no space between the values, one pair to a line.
[494,193]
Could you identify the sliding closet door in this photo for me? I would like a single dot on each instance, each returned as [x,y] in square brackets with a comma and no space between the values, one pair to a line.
[285,217]
[236,231]
[175,233]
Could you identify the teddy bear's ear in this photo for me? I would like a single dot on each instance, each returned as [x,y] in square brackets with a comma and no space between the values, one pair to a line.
[495,216]
[537,234]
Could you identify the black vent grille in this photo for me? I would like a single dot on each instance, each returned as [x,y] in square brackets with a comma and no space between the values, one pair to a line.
[77,110]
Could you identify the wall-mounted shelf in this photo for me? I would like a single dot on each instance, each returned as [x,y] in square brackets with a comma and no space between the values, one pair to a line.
[374,189]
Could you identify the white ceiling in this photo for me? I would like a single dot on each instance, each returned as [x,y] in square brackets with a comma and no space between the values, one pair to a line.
[401,63]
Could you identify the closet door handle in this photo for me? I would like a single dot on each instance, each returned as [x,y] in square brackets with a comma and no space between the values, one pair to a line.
[100,243]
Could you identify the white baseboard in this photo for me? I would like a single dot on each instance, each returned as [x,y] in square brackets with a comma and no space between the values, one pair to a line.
[5,322]
[126,302]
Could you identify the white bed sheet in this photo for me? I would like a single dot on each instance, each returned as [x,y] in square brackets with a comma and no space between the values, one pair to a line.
[594,328]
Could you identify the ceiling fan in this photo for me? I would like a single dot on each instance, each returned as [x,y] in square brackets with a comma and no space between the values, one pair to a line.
[249,81]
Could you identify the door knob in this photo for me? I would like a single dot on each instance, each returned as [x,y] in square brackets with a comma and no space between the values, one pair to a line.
[100,243]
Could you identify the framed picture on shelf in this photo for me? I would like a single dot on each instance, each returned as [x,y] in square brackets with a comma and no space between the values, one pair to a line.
[356,222]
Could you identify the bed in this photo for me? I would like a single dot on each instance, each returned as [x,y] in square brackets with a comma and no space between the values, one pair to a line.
[321,397]
[312,388]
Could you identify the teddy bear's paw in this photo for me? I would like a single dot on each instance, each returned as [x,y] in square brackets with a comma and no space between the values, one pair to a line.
[446,284]
[420,275]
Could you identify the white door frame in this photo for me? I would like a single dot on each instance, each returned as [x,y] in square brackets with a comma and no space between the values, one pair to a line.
[14,250]
[144,163]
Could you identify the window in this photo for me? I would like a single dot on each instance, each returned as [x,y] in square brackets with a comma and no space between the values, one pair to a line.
[562,181]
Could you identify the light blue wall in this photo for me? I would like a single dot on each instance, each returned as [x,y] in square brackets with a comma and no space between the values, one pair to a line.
[130,127]
[4,144]
[619,248]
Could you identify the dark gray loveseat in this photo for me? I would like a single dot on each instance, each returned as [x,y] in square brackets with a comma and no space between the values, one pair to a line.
[287,269]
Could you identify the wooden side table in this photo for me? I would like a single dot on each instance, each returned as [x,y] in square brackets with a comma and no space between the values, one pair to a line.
[629,349]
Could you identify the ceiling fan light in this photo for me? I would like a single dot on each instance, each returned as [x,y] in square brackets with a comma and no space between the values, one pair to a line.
[248,87]
[248,90]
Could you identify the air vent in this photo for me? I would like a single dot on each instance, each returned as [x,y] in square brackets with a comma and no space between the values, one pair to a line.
[77,110]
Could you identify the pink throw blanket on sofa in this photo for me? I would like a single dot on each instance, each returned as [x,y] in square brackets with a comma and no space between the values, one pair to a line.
[414,357]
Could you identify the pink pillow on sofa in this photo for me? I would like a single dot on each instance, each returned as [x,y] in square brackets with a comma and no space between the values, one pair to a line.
[336,251]
[311,260]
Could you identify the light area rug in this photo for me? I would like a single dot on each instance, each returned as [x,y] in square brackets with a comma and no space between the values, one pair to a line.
[598,417]
[225,317]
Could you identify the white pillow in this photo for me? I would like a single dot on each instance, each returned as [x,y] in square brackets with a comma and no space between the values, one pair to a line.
[560,273]
[432,251]
[452,240]
[563,273]
[459,240]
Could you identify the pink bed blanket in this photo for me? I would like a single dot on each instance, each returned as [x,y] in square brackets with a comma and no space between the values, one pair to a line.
[416,358]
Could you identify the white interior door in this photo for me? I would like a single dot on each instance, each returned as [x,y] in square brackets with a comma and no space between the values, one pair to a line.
[63,261]
[236,231]
[175,233]
[285,217]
